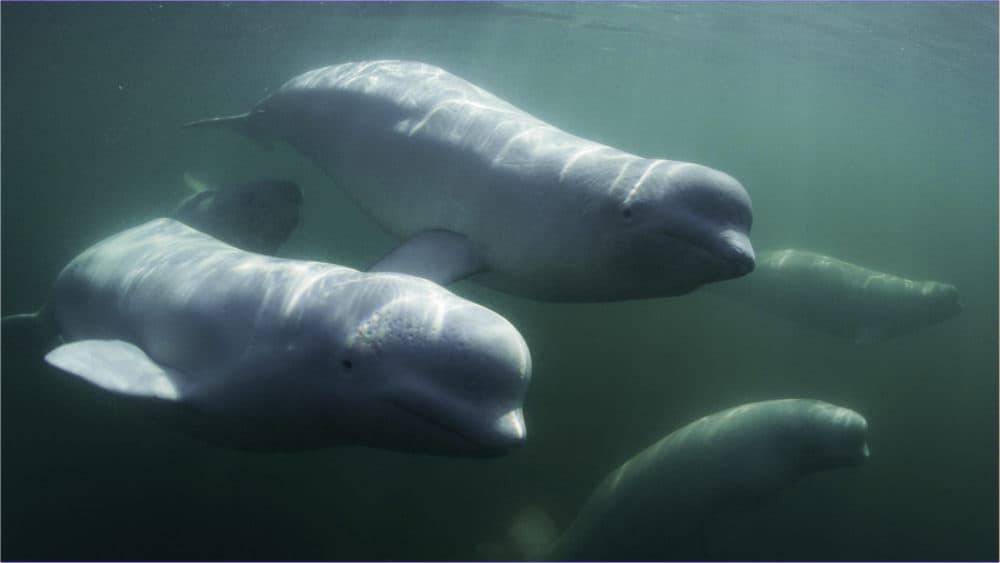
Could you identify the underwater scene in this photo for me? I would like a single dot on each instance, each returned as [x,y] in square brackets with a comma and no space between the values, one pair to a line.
[499,281]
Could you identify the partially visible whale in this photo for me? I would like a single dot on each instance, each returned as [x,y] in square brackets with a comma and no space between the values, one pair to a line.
[656,506]
[840,298]
[260,352]
[474,185]
[257,216]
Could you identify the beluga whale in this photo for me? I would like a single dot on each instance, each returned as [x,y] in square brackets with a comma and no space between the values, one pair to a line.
[667,501]
[474,186]
[257,352]
[688,492]
[841,298]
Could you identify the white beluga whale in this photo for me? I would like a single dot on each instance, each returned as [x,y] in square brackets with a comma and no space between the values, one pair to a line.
[474,185]
[841,298]
[657,505]
[673,499]
[266,353]
[256,216]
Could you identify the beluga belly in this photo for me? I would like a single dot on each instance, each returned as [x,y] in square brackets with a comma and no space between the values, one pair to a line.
[259,352]
[475,186]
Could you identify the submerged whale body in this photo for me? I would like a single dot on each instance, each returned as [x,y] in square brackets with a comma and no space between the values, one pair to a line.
[260,352]
[841,298]
[657,505]
[475,186]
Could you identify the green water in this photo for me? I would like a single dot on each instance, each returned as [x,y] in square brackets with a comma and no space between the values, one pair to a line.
[865,131]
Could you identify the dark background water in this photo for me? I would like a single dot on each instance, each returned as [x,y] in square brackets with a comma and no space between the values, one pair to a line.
[866,131]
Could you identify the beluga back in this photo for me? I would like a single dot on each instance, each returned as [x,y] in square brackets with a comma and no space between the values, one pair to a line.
[476,186]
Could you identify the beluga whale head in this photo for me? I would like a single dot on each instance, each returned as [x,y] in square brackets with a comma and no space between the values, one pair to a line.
[428,372]
[681,225]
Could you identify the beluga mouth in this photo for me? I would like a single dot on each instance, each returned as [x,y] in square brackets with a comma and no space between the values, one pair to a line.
[730,247]
[495,438]
[738,251]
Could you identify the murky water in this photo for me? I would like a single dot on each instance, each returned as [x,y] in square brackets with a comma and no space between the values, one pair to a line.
[864,131]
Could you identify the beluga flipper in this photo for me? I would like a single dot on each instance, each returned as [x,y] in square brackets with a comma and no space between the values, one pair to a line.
[256,216]
[443,257]
[545,214]
[119,367]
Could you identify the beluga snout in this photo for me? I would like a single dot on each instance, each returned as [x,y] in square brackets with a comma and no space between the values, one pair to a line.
[715,206]
[738,251]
